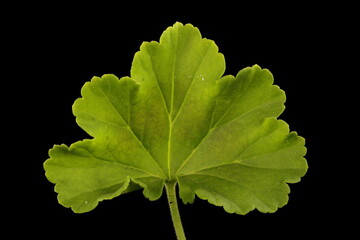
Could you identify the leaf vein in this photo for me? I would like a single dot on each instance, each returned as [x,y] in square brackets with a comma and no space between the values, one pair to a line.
[117,161]
[192,82]
[102,120]
[157,83]
[233,103]
[129,128]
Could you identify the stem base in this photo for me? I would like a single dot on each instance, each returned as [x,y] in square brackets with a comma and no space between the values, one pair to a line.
[174,209]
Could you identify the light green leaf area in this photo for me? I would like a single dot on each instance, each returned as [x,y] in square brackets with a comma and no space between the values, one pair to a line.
[178,119]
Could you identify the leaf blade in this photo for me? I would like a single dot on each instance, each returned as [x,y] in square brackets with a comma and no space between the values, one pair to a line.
[177,119]
[253,178]
[84,177]
[228,129]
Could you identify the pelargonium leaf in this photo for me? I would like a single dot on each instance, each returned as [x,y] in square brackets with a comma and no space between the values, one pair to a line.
[178,119]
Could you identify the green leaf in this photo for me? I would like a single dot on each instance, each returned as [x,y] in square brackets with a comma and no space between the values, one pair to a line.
[178,119]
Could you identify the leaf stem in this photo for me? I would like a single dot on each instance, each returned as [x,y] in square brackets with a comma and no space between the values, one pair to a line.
[174,210]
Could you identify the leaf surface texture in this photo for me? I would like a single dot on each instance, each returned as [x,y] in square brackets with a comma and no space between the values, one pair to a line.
[177,118]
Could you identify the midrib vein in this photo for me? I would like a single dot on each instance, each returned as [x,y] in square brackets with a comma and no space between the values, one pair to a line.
[171,122]
[178,112]
[171,108]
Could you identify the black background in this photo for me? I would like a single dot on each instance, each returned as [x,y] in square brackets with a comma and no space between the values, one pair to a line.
[60,48]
